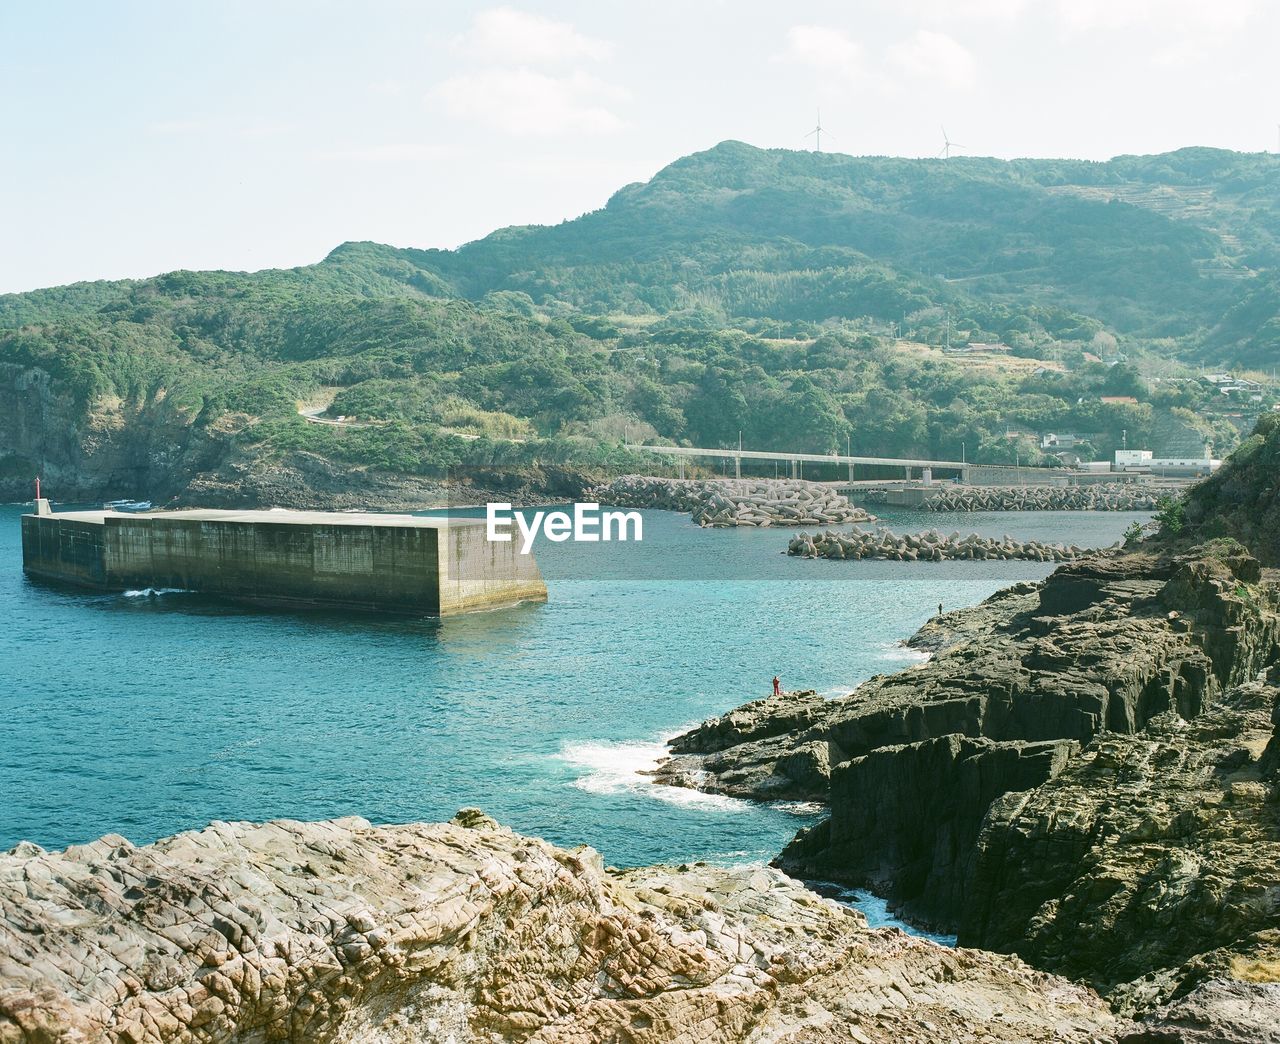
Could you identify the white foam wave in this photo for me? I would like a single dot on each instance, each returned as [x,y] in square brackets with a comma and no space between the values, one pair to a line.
[621,767]
[899,653]
[800,808]
[154,592]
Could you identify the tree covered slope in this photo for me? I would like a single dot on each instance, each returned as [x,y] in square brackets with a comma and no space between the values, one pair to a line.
[740,290]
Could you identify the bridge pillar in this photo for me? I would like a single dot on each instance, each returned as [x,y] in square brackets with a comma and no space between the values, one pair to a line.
[908,471]
[926,476]
[737,466]
[680,466]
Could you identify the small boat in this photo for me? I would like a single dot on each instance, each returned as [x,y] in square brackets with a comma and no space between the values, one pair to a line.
[127,505]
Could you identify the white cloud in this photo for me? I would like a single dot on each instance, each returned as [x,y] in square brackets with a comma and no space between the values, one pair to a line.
[935,56]
[826,50]
[531,104]
[505,35]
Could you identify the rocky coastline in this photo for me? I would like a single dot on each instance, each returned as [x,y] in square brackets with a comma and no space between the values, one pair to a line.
[718,503]
[1081,782]
[978,791]
[349,933]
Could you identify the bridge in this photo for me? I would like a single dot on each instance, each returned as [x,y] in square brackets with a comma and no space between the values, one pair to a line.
[965,471]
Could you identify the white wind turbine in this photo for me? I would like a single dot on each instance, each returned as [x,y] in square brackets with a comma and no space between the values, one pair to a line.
[948,145]
[816,134]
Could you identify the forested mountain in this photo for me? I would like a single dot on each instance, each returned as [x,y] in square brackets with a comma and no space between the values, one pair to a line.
[788,295]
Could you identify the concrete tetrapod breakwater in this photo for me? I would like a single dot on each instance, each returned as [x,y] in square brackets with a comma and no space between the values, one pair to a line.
[926,547]
[734,502]
[392,563]
[1109,497]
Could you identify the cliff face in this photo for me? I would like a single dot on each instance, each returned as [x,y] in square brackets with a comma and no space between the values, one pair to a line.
[1102,644]
[1081,774]
[1149,863]
[114,449]
[343,932]
[151,450]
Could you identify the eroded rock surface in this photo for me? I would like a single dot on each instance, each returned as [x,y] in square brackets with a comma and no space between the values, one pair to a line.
[1149,863]
[1102,644]
[344,932]
[1084,773]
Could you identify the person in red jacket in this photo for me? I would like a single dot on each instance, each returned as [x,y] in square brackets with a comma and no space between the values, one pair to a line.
[777,686]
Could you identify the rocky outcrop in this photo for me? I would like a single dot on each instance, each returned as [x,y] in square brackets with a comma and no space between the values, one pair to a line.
[1219,1011]
[159,450]
[932,546]
[343,932]
[307,481]
[1113,496]
[734,502]
[906,818]
[1242,499]
[1076,775]
[113,449]
[975,621]
[1149,863]
[1105,643]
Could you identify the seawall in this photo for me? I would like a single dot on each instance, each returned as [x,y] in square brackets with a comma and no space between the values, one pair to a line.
[371,562]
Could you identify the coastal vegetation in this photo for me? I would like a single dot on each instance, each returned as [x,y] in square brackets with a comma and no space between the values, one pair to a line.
[802,301]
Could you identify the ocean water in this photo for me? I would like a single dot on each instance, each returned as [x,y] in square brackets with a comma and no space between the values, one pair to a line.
[157,711]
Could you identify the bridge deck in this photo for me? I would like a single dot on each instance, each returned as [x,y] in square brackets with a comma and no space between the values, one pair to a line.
[837,458]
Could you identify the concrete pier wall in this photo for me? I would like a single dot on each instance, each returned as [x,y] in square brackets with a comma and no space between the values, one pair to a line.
[371,562]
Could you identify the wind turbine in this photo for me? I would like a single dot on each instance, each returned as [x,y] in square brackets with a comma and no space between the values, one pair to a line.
[816,134]
[948,145]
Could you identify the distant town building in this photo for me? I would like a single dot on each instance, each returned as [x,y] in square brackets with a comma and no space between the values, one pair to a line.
[1132,457]
[1144,460]
[1229,384]
[1118,400]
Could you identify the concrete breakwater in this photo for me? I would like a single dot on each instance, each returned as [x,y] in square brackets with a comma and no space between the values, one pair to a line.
[734,502]
[1109,497]
[931,546]
[370,562]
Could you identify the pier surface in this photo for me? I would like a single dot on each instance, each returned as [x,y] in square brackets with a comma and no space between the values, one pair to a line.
[366,561]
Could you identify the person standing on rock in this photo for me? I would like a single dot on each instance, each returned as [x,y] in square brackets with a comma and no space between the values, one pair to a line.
[939,608]
[777,686]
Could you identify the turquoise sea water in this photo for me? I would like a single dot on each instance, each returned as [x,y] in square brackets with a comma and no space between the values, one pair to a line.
[145,714]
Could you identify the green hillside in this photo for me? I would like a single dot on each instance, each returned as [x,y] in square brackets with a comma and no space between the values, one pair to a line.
[738,290]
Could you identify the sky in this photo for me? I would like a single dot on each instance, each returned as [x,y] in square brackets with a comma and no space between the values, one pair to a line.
[141,137]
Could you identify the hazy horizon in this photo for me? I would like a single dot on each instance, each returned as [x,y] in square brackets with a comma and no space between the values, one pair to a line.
[228,136]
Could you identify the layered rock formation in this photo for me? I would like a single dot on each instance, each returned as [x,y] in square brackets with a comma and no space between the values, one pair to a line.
[344,932]
[734,502]
[1103,643]
[1150,862]
[978,791]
